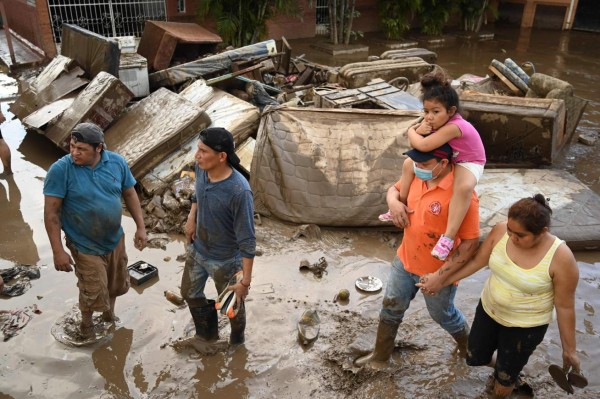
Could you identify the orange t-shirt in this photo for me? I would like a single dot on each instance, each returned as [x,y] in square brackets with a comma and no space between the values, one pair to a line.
[428,223]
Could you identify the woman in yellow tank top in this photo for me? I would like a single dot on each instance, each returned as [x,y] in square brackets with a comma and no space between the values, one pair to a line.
[532,272]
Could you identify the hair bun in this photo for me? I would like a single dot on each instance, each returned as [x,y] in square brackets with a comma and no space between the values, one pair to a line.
[434,79]
[539,198]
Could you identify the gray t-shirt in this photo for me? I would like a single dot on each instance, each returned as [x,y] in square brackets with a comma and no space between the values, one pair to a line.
[225,217]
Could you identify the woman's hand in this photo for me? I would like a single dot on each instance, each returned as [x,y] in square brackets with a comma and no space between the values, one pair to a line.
[571,360]
[430,283]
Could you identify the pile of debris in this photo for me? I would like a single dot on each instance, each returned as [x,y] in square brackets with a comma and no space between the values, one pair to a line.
[309,136]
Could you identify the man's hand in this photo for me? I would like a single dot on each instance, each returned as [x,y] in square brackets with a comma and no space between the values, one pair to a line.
[190,230]
[430,283]
[63,261]
[424,129]
[400,214]
[140,239]
[241,292]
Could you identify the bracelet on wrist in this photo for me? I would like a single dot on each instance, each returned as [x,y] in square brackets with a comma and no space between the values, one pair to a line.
[245,285]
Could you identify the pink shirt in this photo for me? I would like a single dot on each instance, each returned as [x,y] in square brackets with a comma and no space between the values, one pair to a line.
[468,147]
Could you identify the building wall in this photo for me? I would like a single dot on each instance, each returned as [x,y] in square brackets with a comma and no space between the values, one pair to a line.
[296,28]
[31,22]
[190,14]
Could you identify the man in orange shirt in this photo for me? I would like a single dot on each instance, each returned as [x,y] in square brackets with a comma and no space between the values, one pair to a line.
[424,215]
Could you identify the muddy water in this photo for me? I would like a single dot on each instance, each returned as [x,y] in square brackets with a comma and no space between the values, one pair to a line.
[137,361]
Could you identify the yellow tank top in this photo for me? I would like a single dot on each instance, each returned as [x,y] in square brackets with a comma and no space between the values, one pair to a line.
[516,297]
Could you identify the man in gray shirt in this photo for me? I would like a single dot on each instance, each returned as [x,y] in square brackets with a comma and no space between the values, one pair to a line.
[220,231]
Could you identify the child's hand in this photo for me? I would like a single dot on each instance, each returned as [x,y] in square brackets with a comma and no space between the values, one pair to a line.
[424,128]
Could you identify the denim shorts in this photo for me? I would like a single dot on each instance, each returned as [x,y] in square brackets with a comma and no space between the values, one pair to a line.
[401,290]
[514,346]
[197,270]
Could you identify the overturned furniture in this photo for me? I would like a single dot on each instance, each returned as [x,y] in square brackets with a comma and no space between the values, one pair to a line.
[328,166]
[424,54]
[210,65]
[224,110]
[101,102]
[95,53]
[61,77]
[165,42]
[545,86]
[375,95]
[358,74]
[517,130]
[153,128]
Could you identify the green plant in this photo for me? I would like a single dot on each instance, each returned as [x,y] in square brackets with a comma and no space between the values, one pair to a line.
[434,15]
[241,22]
[396,16]
[474,12]
[341,17]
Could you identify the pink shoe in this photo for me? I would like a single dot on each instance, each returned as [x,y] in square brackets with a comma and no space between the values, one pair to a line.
[442,248]
[386,217]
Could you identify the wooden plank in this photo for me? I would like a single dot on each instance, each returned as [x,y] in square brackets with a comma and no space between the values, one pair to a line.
[383,91]
[284,60]
[342,94]
[504,80]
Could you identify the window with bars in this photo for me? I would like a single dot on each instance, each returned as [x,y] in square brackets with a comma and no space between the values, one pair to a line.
[181,6]
[322,16]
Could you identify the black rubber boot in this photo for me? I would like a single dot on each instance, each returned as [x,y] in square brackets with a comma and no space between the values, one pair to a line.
[384,346]
[238,326]
[462,339]
[206,321]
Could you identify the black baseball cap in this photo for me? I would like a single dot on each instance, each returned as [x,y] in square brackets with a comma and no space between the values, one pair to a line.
[221,140]
[88,133]
[442,152]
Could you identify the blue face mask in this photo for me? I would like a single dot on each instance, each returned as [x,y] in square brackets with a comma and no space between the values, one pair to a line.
[425,174]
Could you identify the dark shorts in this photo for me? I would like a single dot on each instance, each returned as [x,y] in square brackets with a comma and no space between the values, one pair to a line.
[100,277]
[514,346]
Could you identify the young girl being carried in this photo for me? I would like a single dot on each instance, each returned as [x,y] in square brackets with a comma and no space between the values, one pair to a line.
[442,123]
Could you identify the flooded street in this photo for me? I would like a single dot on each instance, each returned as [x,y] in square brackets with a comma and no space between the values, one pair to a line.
[137,361]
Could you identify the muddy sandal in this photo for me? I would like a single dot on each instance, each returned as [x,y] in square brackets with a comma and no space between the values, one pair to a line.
[559,375]
[577,379]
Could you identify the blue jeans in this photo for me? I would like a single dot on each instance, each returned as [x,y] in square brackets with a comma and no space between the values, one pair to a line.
[197,270]
[401,289]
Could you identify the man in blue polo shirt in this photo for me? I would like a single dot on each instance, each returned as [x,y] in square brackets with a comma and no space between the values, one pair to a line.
[83,192]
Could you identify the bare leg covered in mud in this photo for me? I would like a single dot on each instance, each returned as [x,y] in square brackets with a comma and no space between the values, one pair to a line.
[87,323]
[109,315]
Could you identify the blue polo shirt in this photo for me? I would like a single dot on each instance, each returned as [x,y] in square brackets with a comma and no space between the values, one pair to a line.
[91,207]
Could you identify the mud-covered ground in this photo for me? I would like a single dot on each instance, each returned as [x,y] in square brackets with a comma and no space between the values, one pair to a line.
[136,359]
